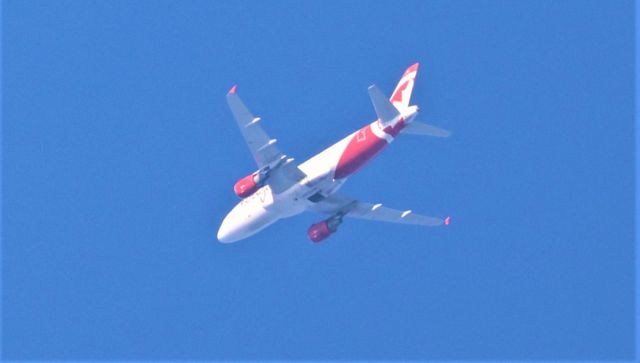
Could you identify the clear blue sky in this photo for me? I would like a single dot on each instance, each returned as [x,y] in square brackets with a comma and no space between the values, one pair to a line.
[119,157]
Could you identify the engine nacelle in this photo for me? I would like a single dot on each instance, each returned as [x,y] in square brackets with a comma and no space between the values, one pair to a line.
[248,185]
[320,231]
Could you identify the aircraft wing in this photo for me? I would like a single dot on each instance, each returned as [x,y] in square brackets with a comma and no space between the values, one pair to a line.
[263,148]
[338,204]
[282,172]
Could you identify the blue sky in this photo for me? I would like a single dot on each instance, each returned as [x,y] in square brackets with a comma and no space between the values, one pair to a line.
[119,157]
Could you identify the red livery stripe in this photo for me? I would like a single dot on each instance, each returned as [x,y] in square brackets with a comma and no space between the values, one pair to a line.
[395,129]
[363,146]
[412,68]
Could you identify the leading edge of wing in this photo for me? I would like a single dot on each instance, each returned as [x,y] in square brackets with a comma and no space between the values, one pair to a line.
[263,148]
[350,207]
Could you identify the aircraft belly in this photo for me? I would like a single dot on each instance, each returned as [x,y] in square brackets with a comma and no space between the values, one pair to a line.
[325,162]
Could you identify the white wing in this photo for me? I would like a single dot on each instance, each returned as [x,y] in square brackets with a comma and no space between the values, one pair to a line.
[262,147]
[338,204]
[282,172]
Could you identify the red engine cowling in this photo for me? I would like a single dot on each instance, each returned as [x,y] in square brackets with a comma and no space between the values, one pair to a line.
[246,186]
[320,231]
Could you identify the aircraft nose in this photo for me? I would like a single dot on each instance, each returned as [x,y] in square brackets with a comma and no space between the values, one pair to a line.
[228,232]
[224,233]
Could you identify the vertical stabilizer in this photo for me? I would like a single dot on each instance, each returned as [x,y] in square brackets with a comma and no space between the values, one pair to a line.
[402,94]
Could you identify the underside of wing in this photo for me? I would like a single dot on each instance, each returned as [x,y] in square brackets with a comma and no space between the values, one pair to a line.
[262,147]
[280,172]
[348,207]
[284,175]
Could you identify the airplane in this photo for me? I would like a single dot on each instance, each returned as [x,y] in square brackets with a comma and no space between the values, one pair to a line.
[280,189]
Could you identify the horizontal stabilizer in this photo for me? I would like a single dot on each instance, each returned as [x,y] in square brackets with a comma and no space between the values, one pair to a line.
[386,111]
[420,128]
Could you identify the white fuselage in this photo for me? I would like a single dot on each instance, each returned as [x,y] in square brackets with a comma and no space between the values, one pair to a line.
[265,207]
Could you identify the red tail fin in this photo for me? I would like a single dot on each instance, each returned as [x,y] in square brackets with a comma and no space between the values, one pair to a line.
[402,94]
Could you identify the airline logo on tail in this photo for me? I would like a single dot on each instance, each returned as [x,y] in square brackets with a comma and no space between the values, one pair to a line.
[402,94]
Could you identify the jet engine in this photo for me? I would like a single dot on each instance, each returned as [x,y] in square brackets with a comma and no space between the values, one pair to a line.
[320,231]
[249,184]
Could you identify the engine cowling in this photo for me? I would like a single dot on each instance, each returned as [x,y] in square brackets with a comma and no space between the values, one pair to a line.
[320,231]
[246,186]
